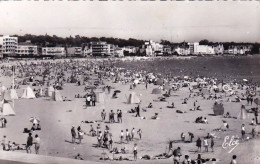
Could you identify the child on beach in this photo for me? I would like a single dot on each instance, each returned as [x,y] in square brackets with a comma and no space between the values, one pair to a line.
[121,136]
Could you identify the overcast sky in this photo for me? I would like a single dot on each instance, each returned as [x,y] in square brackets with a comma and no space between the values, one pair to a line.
[174,21]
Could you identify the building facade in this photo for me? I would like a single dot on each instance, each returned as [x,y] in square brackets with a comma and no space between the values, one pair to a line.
[26,49]
[101,49]
[153,49]
[53,51]
[74,51]
[9,44]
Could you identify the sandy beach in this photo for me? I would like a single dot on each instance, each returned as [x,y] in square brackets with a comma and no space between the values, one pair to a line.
[57,118]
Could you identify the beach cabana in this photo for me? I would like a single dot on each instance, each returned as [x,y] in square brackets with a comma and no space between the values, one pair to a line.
[156,91]
[100,97]
[50,91]
[10,94]
[56,96]
[28,93]
[133,99]
[7,109]
[218,109]
[242,114]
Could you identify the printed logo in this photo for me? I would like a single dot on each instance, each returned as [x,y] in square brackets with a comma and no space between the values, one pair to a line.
[230,142]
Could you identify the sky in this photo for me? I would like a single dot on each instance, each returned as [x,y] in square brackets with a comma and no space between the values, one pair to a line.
[236,21]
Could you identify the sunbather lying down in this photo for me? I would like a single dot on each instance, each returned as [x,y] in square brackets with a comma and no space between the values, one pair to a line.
[159,156]
[179,111]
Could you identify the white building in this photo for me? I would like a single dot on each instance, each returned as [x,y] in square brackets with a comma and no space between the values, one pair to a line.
[130,49]
[9,44]
[153,49]
[74,51]
[182,51]
[119,52]
[197,49]
[87,50]
[54,51]
[26,49]
[219,49]
[101,49]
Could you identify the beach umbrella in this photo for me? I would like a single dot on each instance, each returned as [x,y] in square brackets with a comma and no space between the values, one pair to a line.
[226,88]
[136,81]
[252,93]
[34,120]
[257,101]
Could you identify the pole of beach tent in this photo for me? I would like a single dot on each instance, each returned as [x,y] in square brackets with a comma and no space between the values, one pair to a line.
[13,69]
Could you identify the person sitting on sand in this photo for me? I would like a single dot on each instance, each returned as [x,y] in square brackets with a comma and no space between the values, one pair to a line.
[92,132]
[78,157]
[252,122]
[191,135]
[227,115]
[171,106]
[176,155]
[155,116]
[34,127]
[187,160]
[150,105]
[185,101]
[114,95]
[183,137]
[38,127]
[205,121]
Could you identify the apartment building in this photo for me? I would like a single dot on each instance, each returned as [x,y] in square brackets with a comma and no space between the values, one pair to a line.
[9,44]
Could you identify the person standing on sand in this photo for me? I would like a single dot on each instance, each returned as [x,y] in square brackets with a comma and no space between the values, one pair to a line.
[132,134]
[120,116]
[121,136]
[4,142]
[37,144]
[233,161]
[127,136]
[138,111]
[206,145]
[212,144]
[243,131]
[103,115]
[198,144]
[256,115]
[139,132]
[29,143]
[73,134]
[135,152]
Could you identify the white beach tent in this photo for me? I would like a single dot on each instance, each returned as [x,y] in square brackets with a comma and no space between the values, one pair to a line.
[6,109]
[133,99]
[50,90]
[242,114]
[28,93]
[3,88]
[56,96]
[100,97]
[10,94]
